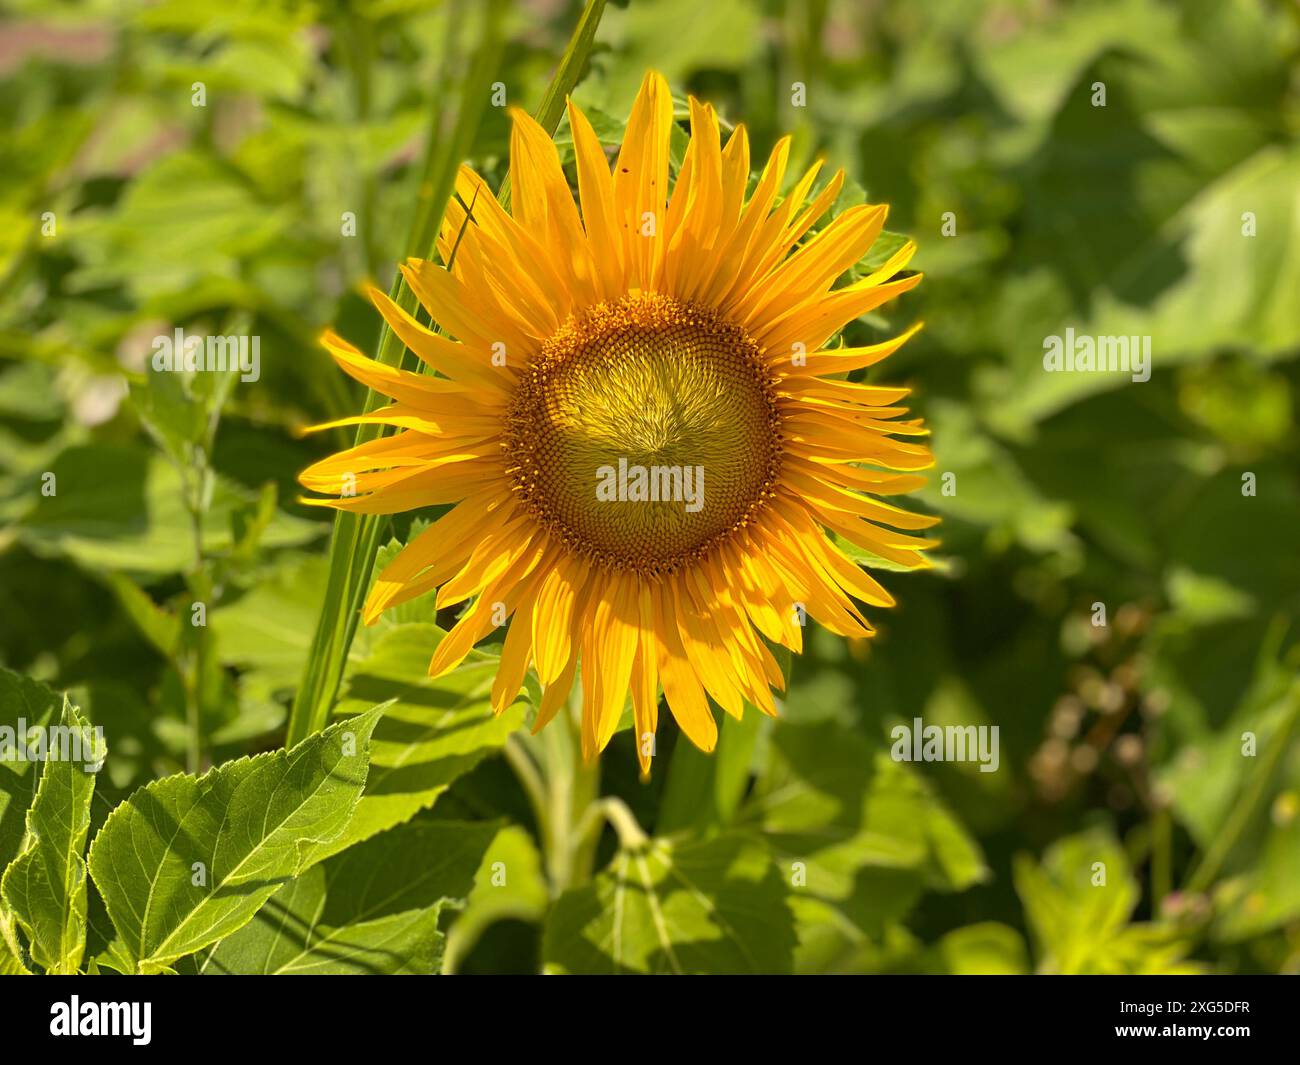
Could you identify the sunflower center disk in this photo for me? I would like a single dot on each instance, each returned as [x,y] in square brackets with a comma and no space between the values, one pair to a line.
[644,432]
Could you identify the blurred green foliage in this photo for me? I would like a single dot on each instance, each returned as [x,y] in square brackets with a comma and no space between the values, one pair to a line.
[180,164]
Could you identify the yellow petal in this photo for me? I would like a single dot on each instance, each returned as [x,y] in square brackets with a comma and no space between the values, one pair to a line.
[448,357]
[682,691]
[596,188]
[641,182]
[553,618]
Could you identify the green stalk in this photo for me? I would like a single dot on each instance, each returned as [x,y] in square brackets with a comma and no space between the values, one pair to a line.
[356,537]
[573,786]
[566,76]
[1249,803]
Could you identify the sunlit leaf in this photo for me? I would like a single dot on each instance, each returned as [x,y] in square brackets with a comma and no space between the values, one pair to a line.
[186,861]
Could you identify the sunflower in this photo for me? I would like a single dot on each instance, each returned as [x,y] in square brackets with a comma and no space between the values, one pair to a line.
[652,457]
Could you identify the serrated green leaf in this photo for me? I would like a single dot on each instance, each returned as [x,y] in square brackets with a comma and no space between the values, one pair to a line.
[45,886]
[372,909]
[25,701]
[188,860]
[435,731]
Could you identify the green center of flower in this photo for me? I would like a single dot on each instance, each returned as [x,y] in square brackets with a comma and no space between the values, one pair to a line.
[645,431]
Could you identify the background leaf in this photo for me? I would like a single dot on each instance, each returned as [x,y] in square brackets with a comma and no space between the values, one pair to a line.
[715,906]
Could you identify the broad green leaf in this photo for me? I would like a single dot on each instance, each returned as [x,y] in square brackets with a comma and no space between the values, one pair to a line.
[1231,292]
[434,731]
[704,906]
[187,217]
[374,908]
[984,949]
[829,943]
[1266,895]
[268,630]
[509,885]
[987,487]
[121,508]
[24,704]
[855,829]
[186,861]
[673,37]
[1237,290]
[45,886]
[1134,219]
[1078,903]
[704,790]
[1031,70]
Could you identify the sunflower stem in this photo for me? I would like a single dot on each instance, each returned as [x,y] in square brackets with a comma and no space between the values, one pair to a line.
[564,793]
[520,758]
[355,538]
[566,76]
[612,809]
[573,786]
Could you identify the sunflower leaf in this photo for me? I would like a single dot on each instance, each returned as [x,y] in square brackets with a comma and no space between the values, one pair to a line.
[434,731]
[28,704]
[372,909]
[1078,902]
[24,704]
[509,885]
[862,833]
[45,886]
[188,860]
[704,906]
